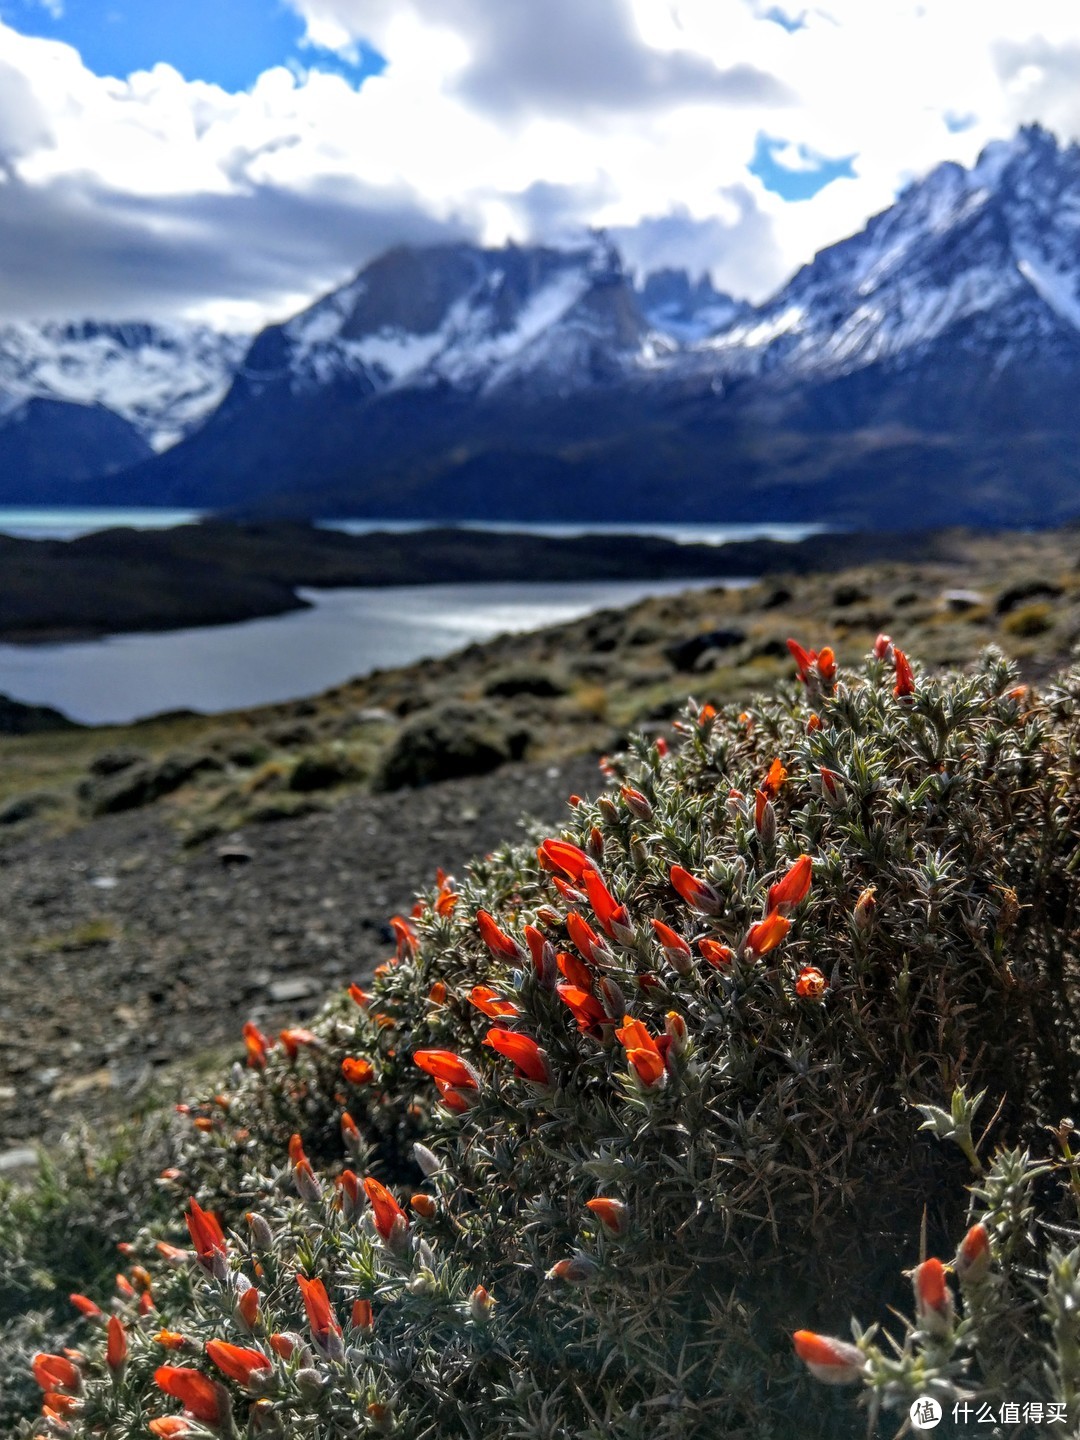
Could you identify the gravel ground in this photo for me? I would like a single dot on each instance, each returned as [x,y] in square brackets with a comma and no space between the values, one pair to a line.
[122,953]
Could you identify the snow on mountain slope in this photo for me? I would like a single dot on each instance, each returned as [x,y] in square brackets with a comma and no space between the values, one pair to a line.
[163,379]
[992,253]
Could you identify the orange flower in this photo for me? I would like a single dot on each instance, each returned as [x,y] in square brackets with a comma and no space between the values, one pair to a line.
[529,1060]
[206,1233]
[201,1398]
[350,1131]
[248,1306]
[676,951]
[826,665]
[584,1006]
[444,1065]
[357,1072]
[86,1306]
[642,1052]
[574,969]
[804,660]
[490,1003]
[501,945]
[437,994]
[561,855]
[905,680]
[55,1372]
[456,1101]
[835,1362]
[320,1315]
[586,939]
[810,983]
[614,918]
[246,1367]
[767,934]
[293,1038]
[116,1347]
[389,1216]
[404,935]
[697,894]
[423,1204]
[612,1214]
[793,889]
[883,647]
[362,1317]
[813,723]
[774,780]
[256,1043]
[171,1339]
[973,1257]
[170,1426]
[283,1345]
[359,997]
[576,1271]
[715,953]
[933,1299]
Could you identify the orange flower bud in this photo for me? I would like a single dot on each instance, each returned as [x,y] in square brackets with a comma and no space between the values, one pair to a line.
[86,1306]
[933,1299]
[612,1214]
[826,665]
[390,1219]
[424,1205]
[905,680]
[716,954]
[490,1003]
[248,1306]
[247,1367]
[793,889]
[697,893]
[446,1066]
[362,1318]
[116,1347]
[357,1072]
[528,1059]
[767,934]
[202,1399]
[835,1362]
[865,908]
[359,997]
[501,945]
[973,1257]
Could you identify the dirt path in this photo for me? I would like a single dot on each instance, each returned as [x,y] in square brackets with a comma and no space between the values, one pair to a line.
[122,953]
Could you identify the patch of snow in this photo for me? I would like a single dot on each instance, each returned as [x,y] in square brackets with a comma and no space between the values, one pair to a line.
[1055,288]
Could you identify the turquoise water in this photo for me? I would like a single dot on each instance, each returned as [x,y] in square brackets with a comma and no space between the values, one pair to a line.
[30,523]
[345,633]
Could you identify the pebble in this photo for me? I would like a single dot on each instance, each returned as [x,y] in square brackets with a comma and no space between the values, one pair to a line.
[20,1158]
[293,987]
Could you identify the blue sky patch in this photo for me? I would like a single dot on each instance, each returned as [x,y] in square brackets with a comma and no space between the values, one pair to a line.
[790,23]
[227,42]
[799,181]
[954,123]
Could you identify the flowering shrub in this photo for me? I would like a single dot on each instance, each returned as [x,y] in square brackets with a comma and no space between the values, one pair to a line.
[624,1111]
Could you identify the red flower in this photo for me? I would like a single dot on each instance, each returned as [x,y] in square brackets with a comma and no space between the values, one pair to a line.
[973,1257]
[836,1362]
[389,1215]
[811,983]
[86,1306]
[642,1052]
[905,680]
[577,1271]
[404,935]
[457,1101]
[561,855]
[612,1214]
[256,1043]
[55,1372]
[350,1131]
[246,1367]
[201,1398]
[362,1317]
[116,1347]
[293,1038]
[584,1006]
[636,802]
[359,997]
[767,934]
[697,894]
[614,918]
[574,969]
[357,1072]
[826,665]
[676,951]
[248,1306]
[501,945]
[320,1315]
[933,1299]
[490,1003]
[424,1205]
[170,1426]
[883,647]
[715,953]
[529,1060]
[206,1234]
[446,1066]
[586,939]
[171,1339]
[804,660]
[793,889]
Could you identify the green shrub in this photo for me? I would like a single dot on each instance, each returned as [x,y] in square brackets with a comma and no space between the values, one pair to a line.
[653,1092]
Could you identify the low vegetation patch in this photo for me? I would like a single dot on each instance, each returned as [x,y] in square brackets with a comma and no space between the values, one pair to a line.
[781,1015]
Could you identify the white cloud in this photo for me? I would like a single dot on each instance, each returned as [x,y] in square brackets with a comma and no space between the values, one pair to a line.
[496,119]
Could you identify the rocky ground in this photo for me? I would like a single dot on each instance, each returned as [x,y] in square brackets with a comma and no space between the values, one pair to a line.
[162,883]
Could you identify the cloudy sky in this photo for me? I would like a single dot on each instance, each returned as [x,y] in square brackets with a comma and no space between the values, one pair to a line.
[229,160]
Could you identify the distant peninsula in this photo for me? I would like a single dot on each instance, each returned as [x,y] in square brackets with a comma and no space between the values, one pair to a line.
[218,572]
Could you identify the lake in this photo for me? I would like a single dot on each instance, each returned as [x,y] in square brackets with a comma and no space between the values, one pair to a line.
[62,524]
[346,633]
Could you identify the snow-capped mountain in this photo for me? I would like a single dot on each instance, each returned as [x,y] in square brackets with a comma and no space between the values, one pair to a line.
[986,261]
[925,368]
[162,379]
[475,320]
